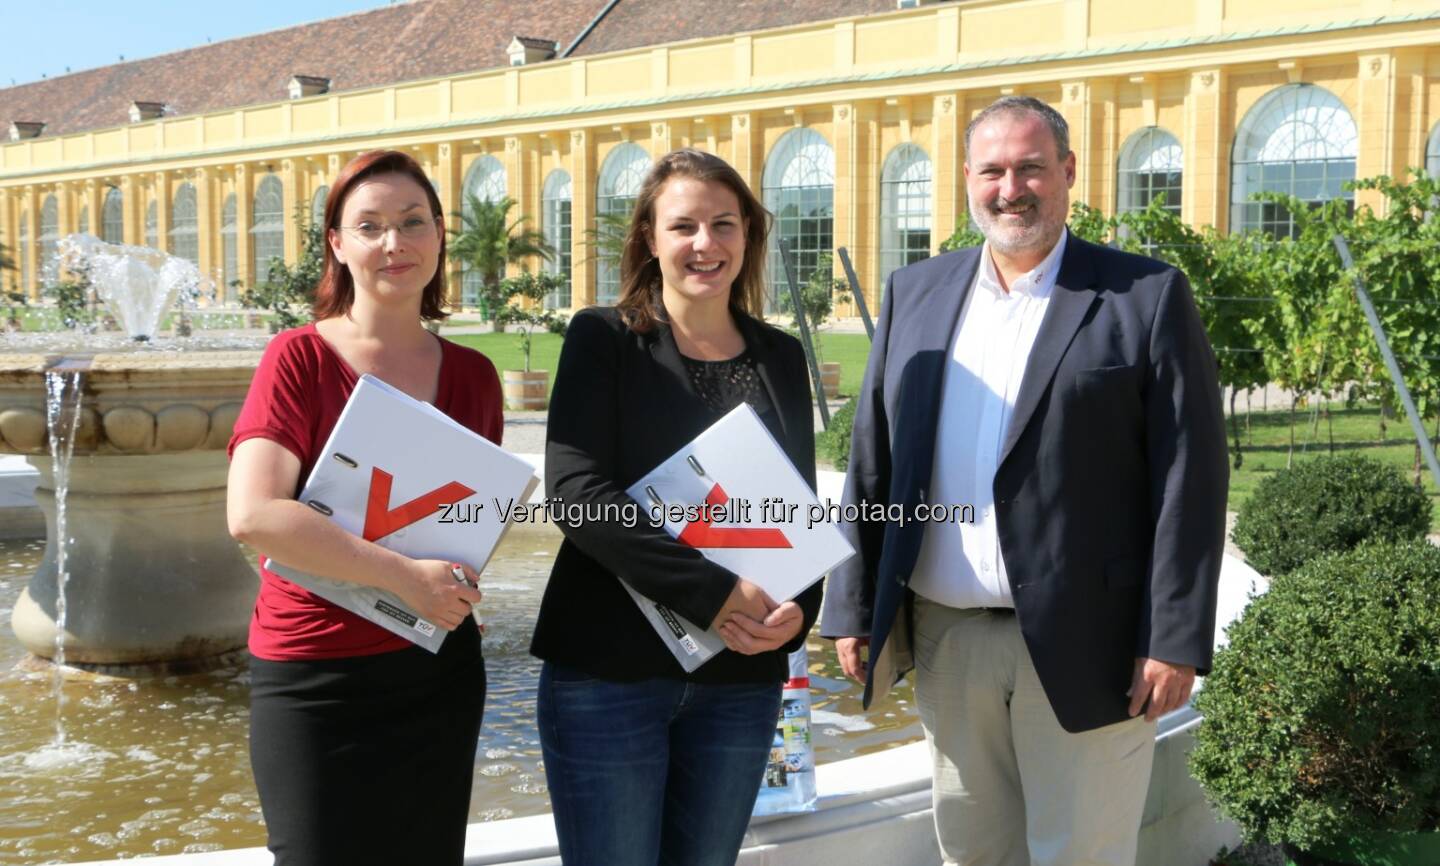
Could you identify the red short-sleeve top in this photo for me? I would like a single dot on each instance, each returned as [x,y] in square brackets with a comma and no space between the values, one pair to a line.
[297,394]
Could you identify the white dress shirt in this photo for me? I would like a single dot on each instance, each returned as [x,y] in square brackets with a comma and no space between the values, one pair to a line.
[960,563]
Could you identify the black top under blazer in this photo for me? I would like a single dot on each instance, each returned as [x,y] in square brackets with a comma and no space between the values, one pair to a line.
[622,404]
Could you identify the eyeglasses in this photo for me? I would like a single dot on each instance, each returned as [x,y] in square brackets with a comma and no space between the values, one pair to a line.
[412,227]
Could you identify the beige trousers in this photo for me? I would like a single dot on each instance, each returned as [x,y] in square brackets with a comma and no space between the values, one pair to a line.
[1012,787]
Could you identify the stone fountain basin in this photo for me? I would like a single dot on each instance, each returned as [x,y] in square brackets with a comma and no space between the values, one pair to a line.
[154,577]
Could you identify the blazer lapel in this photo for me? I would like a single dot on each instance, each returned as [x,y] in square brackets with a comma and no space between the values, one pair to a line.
[758,342]
[1071,299]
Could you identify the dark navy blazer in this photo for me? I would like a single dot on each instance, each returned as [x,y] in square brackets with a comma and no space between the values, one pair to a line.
[1110,490]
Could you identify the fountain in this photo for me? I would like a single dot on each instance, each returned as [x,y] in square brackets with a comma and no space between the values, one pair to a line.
[154,578]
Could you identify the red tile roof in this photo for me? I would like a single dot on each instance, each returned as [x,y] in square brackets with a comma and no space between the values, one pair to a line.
[403,42]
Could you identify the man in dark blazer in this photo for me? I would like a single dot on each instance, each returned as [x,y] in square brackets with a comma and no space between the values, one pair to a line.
[1068,393]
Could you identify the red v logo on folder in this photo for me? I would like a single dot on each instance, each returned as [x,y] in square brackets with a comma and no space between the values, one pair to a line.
[700,533]
[381,519]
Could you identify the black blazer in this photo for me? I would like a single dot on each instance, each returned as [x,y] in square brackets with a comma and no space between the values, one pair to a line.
[1109,494]
[622,404]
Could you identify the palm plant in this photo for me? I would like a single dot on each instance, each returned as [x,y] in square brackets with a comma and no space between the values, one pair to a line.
[487,241]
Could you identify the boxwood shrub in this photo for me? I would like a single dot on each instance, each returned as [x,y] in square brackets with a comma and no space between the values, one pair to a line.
[1322,715]
[1324,505]
[834,443]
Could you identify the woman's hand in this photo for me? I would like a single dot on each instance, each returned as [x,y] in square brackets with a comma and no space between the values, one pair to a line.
[746,598]
[431,588]
[749,636]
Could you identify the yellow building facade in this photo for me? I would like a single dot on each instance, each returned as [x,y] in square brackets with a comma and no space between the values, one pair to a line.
[851,130]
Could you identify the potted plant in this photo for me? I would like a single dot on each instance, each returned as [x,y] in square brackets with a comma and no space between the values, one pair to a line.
[487,241]
[527,388]
[1319,729]
[818,295]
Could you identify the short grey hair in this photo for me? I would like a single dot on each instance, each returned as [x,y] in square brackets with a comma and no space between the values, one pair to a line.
[1019,106]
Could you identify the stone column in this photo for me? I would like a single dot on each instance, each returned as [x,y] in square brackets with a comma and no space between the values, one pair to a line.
[162,210]
[244,204]
[1206,151]
[133,209]
[30,216]
[947,169]
[94,201]
[207,223]
[582,217]
[291,195]
[447,185]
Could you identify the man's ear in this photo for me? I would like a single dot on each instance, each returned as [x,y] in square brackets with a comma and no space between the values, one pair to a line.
[1070,169]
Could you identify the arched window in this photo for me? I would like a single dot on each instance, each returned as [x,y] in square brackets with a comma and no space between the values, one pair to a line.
[185,225]
[486,181]
[1150,164]
[112,217]
[556,199]
[49,231]
[799,188]
[904,209]
[230,256]
[152,225]
[84,224]
[23,251]
[267,227]
[1432,153]
[1298,139]
[317,206]
[621,174]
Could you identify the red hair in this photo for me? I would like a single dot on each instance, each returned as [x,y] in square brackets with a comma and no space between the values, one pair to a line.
[336,290]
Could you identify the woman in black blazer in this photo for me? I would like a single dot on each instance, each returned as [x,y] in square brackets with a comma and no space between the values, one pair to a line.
[648,764]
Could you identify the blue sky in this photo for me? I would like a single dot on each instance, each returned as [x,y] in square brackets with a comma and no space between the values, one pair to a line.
[45,36]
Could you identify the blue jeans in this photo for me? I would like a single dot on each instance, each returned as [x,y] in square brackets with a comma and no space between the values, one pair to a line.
[654,772]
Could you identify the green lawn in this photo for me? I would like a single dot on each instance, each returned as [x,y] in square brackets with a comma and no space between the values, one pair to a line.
[1265,444]
[504,350]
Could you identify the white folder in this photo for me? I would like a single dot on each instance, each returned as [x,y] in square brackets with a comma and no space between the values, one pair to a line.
[736,461]
[423,484]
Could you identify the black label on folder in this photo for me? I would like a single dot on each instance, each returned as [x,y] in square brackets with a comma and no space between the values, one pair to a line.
[670,621]
[391,610]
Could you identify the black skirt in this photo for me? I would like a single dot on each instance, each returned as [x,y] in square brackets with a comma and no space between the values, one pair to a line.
[368,760]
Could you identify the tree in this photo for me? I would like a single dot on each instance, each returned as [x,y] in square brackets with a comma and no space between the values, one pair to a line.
[289,293]
[818,295]
[487,241]
[1232,300]
[532,289]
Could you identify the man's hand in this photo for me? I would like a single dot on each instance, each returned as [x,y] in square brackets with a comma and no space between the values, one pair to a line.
[1164,686]
[848,650]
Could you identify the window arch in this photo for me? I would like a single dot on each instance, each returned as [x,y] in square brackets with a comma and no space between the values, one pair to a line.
[1151,163]
[267,227]
[49,231]
[185,225]
[1432,153]
[23,250]
[485,180]
[799,189]
[84,223]
[230,256]
[621,174]
[557,197]
[112,217]
[317,206]
[152,225]
[1298,139]
[905,184]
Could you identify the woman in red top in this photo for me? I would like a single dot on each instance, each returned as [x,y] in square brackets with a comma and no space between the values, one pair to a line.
[362,743]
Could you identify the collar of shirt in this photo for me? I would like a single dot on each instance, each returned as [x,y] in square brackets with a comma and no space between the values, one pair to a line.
[1037,282]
